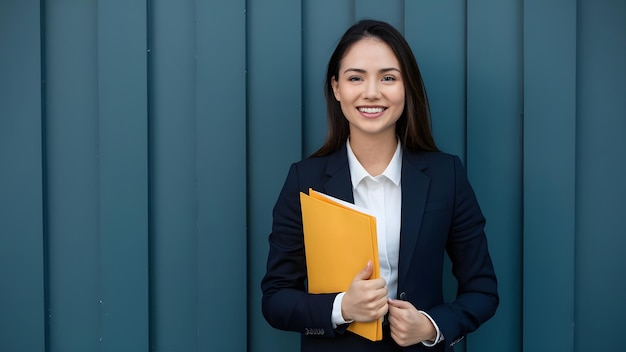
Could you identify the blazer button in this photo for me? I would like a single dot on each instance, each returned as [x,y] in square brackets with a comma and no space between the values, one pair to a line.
[403,296]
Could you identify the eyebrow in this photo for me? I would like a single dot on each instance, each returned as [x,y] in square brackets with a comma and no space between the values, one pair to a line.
[360,70]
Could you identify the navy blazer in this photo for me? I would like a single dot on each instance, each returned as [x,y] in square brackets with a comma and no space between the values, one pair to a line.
[440,214]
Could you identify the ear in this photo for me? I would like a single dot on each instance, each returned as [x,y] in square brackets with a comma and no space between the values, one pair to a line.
[335,86]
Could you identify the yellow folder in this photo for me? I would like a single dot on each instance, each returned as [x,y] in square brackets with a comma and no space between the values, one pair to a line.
[339,239]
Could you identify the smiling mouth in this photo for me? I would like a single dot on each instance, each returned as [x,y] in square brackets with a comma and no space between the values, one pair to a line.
[376,110]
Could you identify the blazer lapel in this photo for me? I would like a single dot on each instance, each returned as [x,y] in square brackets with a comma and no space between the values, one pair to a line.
[339,183]
[415,186]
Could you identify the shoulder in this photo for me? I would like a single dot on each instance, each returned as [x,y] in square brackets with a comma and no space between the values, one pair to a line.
[309,168]
[312,162]
[307,173]
[327,164]
[425,160]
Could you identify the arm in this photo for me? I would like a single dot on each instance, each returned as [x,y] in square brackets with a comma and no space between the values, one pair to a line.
[286,304]
[477,296]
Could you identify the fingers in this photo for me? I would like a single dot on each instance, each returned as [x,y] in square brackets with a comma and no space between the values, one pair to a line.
[408,326]
[362,280]
[400,304]
[366,273]
[399,312]
[365,299]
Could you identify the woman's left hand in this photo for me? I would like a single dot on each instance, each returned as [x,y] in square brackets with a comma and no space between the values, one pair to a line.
[408,325]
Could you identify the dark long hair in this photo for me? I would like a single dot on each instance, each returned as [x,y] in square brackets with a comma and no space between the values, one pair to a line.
[413,126]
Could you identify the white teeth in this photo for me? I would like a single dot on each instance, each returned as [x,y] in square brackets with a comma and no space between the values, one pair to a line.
[371,110]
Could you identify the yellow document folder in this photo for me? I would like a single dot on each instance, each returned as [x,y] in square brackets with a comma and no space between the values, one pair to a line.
[339,239]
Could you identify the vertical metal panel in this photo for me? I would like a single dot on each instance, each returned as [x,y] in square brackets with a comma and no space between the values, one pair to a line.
[72,175]
[494,105]
[274,140]
[391,11]
[436,32]
[549,174]
[173,210]
[22,327]
[319,37]
[123,175]
[221,175]
[600,170]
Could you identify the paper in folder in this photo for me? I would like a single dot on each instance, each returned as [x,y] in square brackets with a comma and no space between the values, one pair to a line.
[339,239]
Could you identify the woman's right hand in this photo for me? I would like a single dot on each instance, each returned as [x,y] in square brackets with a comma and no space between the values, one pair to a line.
[365,300]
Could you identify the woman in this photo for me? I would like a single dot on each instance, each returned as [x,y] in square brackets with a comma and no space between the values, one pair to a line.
[380,155]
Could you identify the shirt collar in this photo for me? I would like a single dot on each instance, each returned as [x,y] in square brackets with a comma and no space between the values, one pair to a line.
[358,172]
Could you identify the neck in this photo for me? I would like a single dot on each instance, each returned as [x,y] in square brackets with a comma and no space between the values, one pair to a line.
[374,154]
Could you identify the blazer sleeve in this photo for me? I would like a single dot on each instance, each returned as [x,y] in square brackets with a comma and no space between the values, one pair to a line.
[477,296]
[286,304]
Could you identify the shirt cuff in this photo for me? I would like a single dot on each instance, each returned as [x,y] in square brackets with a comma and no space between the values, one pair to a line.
[336,316]
[439,337]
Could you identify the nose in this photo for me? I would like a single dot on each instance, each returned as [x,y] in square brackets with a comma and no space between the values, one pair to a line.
[372,89]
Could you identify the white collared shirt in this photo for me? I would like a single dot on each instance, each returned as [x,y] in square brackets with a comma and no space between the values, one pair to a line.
[382,196]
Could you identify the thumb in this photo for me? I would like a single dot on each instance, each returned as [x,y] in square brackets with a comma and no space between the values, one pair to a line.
[366,273]
[398,303]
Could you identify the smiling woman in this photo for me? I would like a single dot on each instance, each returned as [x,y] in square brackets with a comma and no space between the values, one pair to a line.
[380,155]
[370,90]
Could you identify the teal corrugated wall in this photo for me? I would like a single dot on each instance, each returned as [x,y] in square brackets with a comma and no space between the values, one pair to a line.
[143,144]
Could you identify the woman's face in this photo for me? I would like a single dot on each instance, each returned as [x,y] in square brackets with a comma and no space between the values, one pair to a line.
[370,89]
